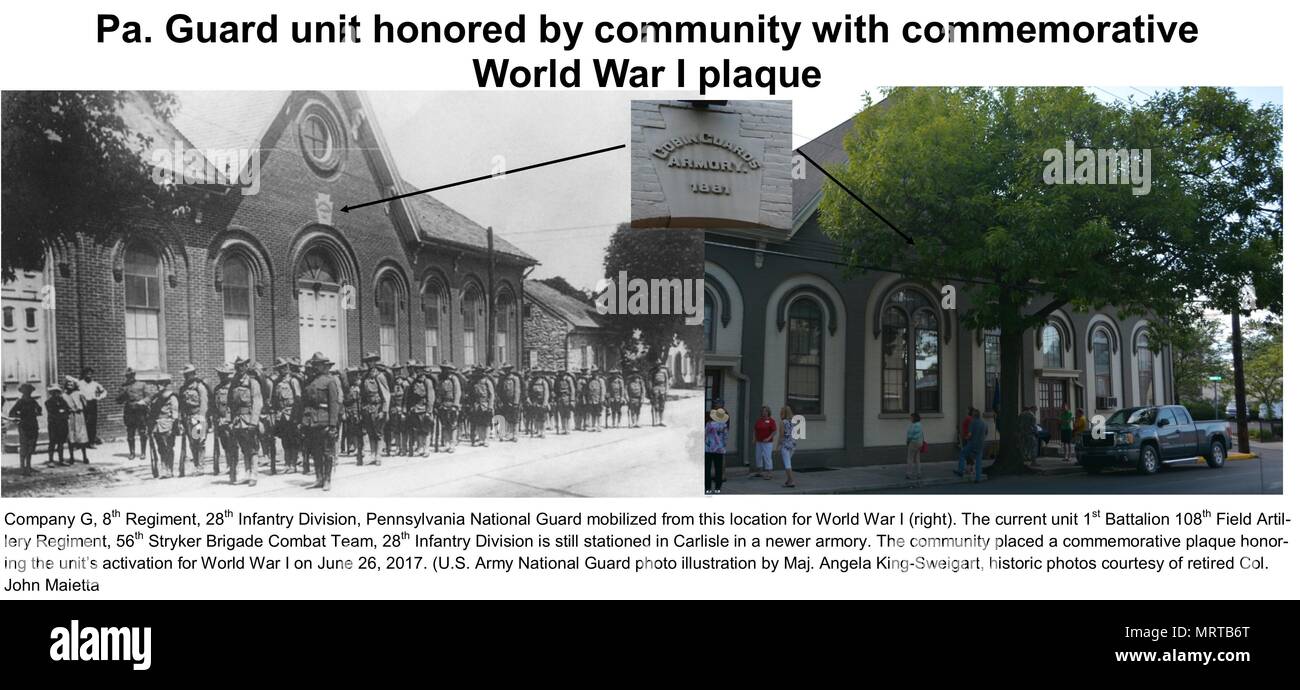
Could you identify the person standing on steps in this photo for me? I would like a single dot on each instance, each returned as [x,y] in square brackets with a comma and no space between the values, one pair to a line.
[94,392]
[764,435]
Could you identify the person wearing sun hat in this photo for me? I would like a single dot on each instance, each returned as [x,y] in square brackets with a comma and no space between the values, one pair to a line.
[715,448]
[375,398]
[322,409]
[134,399]
[56,415]
[25,413]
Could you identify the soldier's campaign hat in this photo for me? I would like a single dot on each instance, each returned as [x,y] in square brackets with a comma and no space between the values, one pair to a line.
[319,358]
[294,361]
[447,366]
[225,369]
[164,377]
[281,363]
[26,388]
[507,367]
[129,372]
[369,357]
[240,360]
[54,389]
[189,369]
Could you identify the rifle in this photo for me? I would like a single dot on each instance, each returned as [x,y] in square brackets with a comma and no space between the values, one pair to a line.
[153,451]
[185,441]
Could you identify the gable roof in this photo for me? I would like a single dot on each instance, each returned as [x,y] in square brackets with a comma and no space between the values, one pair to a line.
[227,119]
[828,150]
[439,221]
[576,312]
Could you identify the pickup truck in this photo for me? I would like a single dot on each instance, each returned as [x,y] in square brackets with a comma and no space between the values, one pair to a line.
[1148,437]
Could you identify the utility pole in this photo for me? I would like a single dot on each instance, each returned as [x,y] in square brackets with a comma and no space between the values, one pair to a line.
[1239,383]
[491,298]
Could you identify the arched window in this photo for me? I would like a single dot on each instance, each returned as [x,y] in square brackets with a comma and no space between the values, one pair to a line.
[910,369]
[803,384]
[1052,355]
[1101,367]
[709,326]
[237,308]
[142,279]
[9,317]
[471,312]
[1146,371]
[387,303]
[505,316]
[992,368]
[433,323]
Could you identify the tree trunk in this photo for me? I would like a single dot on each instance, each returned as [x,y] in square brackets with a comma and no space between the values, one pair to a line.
[1011,354]
[1239,384]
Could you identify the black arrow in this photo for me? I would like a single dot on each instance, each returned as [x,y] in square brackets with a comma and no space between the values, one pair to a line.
[857,198]
[480,178]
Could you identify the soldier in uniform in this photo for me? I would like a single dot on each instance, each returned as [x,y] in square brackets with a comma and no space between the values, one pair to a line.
[539,403]
[218,415]
[580,400]
[164,413]
[193,398]
[295,370]
[482,403]
[135,413]
[395,428]
[447,398]
[509,396]
[658,395]
[286,396]
[617,396]
[375,398]
[635,396]
[595,400]
[351,414]
[245,402]
[265,438]
[419,410]
[320,413]
[564,389]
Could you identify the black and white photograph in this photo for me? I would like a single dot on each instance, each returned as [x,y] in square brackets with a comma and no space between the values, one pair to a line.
[324,293]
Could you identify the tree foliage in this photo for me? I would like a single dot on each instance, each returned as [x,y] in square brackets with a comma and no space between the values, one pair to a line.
[649,254]
[70,165]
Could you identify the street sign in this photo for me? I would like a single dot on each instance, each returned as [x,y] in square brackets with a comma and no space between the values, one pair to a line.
[1216,378]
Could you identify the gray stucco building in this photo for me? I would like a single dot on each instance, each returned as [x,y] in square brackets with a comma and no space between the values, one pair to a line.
[857,356]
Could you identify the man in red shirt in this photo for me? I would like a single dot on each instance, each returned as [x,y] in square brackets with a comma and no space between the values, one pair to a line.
[764,435]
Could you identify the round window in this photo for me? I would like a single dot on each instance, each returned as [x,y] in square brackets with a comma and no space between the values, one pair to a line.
[321,139]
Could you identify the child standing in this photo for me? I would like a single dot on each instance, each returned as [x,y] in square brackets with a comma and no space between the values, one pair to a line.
[25,413]
[57,409]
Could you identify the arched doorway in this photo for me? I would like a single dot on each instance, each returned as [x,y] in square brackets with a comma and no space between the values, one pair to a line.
[321,303]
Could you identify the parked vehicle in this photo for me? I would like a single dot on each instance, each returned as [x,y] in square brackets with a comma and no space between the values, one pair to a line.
[1148,437]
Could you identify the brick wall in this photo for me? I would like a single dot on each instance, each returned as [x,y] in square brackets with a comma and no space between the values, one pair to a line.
[90,315]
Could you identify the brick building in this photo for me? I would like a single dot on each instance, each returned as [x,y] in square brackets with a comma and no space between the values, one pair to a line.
[561,332]
[270,267]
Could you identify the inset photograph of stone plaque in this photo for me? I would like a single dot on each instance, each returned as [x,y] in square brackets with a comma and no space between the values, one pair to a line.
[712,164]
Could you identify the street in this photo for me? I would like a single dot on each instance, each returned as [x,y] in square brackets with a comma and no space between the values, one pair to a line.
[649,461]
[1255,476]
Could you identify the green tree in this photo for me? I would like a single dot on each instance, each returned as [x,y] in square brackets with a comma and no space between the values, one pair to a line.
[1197,344]
[71,165]
[1230,161]
[564,287]
[962,171]
[1263,362]
[650,254]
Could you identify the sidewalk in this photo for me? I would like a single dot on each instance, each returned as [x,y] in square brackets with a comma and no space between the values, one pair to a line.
[838,480]
[106,462]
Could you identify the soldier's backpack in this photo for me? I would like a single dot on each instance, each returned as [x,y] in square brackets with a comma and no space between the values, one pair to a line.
[193,397]
[538,391]
[370,386]
[510,391]
[241,394]
[634,388]
[594,389]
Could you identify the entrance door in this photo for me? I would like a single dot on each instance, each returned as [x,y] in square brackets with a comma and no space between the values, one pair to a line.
[320,324]
[26,342]
[1051,401]
[712,386]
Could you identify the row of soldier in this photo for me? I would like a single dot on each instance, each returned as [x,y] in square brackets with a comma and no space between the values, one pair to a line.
[316,411]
